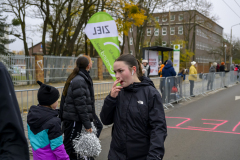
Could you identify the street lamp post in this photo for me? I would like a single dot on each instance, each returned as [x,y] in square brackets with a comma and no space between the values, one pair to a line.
[32,43]
[225,52]
[231,43]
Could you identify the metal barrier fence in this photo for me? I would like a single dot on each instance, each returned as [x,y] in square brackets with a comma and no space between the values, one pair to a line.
[57,69]
[20,67]
[172,89]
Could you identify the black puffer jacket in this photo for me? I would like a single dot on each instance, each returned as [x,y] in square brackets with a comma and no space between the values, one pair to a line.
[79,102]
[139,129]
[13,143]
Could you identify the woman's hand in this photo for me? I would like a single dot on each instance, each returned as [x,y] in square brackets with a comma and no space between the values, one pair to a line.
[89,130]
[115,89]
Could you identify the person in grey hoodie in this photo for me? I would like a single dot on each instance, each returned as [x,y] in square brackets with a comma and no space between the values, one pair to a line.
[232,67]
[211,75]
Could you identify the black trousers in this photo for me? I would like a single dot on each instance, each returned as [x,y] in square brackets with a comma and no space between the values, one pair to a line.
[191,86]
[70,130]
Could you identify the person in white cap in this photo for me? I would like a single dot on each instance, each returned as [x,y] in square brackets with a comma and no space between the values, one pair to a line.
[146,67]
[192,77]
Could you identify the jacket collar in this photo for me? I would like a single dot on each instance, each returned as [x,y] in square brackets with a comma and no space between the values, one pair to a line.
[84,76]
[193,66]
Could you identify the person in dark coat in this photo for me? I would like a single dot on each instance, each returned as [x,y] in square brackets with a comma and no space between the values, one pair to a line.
[136,110]
[218,68]
[44,126]
[13,143]
[162,84]
[168,71]
[222,69]
[78,107]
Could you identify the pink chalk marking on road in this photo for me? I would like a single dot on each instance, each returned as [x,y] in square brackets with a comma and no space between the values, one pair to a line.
[200,128]
[236,127]
[203,130]
[216,124]
[187,119]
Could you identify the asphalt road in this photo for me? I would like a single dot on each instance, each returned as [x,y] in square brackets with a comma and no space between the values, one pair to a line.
[205,128]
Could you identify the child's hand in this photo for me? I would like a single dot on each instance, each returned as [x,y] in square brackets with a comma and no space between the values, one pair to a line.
[89,130]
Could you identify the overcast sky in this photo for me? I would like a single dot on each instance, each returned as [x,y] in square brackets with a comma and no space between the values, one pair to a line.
[227,18]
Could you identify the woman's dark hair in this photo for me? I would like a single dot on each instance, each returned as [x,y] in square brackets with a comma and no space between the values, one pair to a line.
[81,62]
[165,62]
[131,61]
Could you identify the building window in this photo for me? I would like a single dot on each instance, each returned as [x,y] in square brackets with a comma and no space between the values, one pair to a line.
[164,43]
[180,30]
[172,18]
[149,32]
[164,18]
[157,19]
[199,19]
[180,17]
[208,48]
[209,25]
[131,29]
[171,43]
[198,32]
[131,41]
[201,46]
[172,30]
[164,31]
[204,47]
[156,32]
[198,47]
[149,44]
[131,52]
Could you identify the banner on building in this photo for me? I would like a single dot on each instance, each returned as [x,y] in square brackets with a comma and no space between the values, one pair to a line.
[152,57]
[176,58]
[102,31]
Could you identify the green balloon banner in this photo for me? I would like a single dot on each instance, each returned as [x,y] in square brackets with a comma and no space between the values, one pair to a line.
[102,31]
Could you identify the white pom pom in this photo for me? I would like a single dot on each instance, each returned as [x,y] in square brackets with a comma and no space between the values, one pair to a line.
[87,144]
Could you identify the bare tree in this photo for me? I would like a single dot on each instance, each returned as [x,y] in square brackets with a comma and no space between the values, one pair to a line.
[18,9]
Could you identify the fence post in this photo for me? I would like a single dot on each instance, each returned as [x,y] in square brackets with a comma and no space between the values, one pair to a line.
[100,68]
[39,67]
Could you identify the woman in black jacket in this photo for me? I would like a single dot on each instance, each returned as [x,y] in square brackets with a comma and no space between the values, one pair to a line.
[222,69]
[136,110]
[78,108]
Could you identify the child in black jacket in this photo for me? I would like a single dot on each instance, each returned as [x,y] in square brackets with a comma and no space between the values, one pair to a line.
[44,127]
